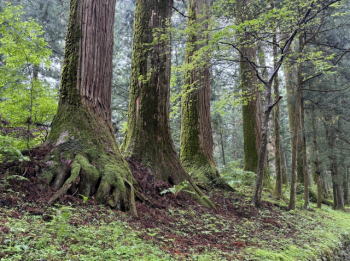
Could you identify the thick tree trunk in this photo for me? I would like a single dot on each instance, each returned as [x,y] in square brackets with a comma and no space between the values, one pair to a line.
[148,139]
[196,152]
[85,156]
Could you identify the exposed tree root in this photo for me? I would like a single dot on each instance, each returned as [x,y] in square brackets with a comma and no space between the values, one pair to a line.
[85,159]
[73,179]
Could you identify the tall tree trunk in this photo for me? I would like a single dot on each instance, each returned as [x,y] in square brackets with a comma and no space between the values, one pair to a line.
[304,155]
[294,115]
[284,166]
[249,85]
[265,74]
[85,156]
[338,195]
[196,152]
[293,86]
[222,145]
[316,159]
[346,186]
[148,139]
[277,129]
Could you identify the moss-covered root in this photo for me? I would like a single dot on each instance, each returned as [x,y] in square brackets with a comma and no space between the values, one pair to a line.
[206,175]
[200,196]
[107,182]
[74,178]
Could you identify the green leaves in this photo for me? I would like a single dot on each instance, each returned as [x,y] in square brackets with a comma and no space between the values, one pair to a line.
[26,100]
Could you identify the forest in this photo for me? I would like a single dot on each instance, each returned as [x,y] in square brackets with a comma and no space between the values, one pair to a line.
[174,130]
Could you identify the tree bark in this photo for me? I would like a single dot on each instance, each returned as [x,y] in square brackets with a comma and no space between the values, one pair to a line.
[249,86]
[337,182]
[304,155]
[196,152]
[316,159]
[296,118]
[346,186]
[293,81]
[277,129]
[85,156]
[148,139]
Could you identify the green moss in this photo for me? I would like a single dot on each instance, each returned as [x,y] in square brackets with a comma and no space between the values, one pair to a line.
[332,226]
[32,237]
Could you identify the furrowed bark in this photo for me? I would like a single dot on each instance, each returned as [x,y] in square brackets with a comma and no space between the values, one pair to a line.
[148,139]
[196,152]
[84,150]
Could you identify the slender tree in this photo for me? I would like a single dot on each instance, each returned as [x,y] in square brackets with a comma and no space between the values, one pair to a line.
[337,179]
[84,153]
[277,129]
[249,86]
[316,160]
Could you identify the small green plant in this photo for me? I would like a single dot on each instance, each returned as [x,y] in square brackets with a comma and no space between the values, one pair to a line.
[235,175]
[60,223]
[10,149]
[183,186]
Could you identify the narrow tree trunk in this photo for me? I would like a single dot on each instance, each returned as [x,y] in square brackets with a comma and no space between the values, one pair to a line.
[346,186]
[276,121]
[196,152]
[317,165]
[338,195]
[293,81]
[284,167]
[265,74]
[293,184]
[85,156]
[305,170]
[222,144]
[249,85]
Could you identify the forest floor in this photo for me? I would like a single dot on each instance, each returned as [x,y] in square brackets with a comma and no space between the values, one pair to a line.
[79,229]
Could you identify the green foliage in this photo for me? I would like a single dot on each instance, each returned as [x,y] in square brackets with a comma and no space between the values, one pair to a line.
[176,189]
[21,46]
[236,176]
[11,149]
[26,101]
[30,238]
[320,241]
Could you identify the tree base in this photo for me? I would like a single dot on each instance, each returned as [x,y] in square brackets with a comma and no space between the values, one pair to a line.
[85,159]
